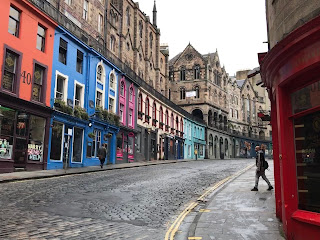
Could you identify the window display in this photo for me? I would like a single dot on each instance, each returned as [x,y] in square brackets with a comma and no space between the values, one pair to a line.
[77,145]
[56,141]
[307,147]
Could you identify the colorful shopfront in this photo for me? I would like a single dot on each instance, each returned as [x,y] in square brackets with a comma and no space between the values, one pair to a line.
[24,129]
[290,71]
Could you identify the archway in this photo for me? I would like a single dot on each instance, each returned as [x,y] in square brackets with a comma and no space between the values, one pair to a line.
[210,118]
[215,147]
[215,118]
[226,148]
[197,113]
[221,148]
[210,145]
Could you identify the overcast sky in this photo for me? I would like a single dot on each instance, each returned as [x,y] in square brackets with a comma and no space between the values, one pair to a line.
[237,28]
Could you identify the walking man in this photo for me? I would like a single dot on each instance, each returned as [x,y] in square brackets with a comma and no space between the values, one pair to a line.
[260,171]
[102,153]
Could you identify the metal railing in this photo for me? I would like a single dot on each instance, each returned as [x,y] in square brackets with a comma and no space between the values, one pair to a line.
[65,22]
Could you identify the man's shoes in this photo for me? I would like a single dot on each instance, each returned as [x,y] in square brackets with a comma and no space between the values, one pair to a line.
[254,189]
[270,188]
[101,165]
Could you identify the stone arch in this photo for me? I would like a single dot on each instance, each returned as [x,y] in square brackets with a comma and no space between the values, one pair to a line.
[210,118]
[197,113]
[210,145]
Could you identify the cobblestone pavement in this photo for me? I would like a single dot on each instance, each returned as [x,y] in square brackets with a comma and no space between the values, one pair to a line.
[134,203]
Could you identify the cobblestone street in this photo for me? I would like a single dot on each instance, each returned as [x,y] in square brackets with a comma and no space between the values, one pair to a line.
[134,203]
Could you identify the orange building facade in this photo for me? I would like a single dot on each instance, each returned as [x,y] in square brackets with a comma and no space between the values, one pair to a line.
[26,50]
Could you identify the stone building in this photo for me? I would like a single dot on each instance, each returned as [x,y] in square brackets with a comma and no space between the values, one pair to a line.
[228,105]
[124,31]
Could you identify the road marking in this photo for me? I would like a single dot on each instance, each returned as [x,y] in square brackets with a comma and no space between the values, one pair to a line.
[204,210]
[175,226]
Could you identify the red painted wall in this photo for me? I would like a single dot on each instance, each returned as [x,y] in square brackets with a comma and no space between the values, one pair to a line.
[30,17]
[291,65]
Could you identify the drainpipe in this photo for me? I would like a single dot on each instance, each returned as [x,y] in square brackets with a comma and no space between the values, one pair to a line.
[86,101]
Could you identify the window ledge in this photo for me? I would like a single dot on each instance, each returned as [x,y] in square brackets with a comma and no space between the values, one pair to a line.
[307,217]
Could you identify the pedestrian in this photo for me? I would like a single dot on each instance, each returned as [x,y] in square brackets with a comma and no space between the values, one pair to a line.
[196,153]
[260,171]
[102,154]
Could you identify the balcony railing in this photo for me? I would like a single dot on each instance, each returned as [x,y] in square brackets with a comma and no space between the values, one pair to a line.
[65,22]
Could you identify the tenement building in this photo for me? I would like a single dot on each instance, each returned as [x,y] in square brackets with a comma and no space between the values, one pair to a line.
[229,106]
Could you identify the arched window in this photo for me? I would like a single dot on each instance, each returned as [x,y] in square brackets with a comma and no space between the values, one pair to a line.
[182,74]
[112,80]
[154,111]
[161,115]
[150,40]
[122,89]
[196,72]
[140,28]
[147,108]
[182,93]
[128,16]
[99,73]
[197,89]
[181,125]
[140,103]
[177,123]
[131,94]
[112,43]
[167,118]
[172,120]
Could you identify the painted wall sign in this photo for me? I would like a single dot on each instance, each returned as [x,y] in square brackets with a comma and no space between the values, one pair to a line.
[35,152]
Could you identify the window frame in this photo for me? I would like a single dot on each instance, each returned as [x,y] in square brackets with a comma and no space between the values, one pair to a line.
[16,84]
[17,21]
[64,49]
[76,83]
[65,86]
[113,105]
[102,98]
[79,69]
[43,38]
[85,12]
[44,82]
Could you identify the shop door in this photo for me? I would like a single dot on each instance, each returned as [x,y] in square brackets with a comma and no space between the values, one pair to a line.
[66,146]
[21,140]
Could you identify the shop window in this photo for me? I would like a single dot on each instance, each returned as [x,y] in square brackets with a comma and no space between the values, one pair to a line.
[79,65]
[96,143]
[56,141]
[201,150]
[307,149]
[77,145]
[119,144]
[130,144]
[63,47]
[38,80]
[189,150]
[6,132]
[138,144]
[10,71]
[36,138]
[14,21]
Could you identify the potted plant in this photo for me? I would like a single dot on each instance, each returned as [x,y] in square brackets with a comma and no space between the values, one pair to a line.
[91,135]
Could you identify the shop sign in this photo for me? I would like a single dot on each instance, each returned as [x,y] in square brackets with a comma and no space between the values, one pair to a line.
[306,98]
[34,152]
[5,149]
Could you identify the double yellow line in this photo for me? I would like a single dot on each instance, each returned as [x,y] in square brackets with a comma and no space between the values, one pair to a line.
[175,226]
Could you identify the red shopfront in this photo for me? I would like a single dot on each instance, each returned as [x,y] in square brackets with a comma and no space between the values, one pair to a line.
[291,72]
